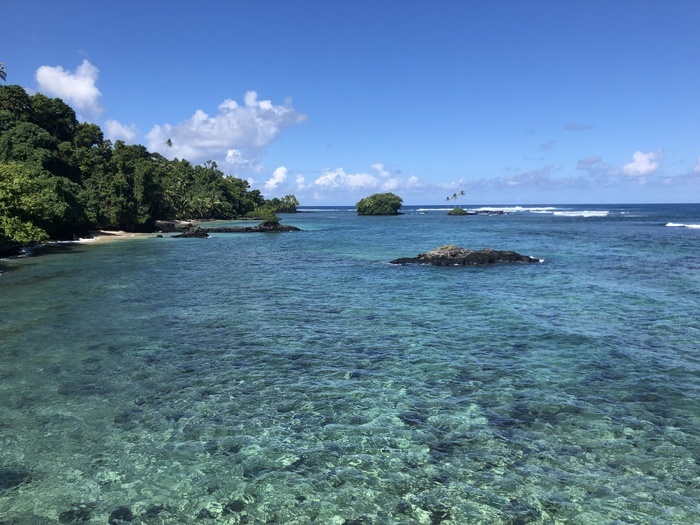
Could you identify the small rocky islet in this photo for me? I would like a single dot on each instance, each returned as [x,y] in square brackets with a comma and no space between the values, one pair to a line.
[189,230]
[451,255]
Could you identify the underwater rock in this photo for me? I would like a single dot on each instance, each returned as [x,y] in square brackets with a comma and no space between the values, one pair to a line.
[236,505]
[451,255]
[80,514]
[121,515]
[10,478]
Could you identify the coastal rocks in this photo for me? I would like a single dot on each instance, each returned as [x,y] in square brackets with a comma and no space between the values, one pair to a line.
[193,231]
[451,255]
[9,249]
[263,227]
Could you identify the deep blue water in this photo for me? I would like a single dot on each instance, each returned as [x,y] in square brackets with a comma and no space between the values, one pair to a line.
[300,378]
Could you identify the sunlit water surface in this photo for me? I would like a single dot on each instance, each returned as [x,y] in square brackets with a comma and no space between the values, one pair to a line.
[300,378]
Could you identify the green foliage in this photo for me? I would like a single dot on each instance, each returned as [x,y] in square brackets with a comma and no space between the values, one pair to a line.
[457,211]
[379,204]
[287,204]
[35,206]
[264,213]
[61,177]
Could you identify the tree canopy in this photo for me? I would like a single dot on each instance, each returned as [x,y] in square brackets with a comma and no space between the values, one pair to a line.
[379,204]
[60,178]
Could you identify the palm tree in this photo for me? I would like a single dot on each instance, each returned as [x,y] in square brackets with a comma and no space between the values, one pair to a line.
[169,143]
[454,196]
[461,193]
[3,72]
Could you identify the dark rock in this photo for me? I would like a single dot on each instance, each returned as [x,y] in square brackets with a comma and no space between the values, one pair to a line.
[451,255]
[205,514]
[193,232]
[236,505]
[10,478]
[121,515]
[153,511]
[9,249]
[264,227]
[439,514]
[81,513]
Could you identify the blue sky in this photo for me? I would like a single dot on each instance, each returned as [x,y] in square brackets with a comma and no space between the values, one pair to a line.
[513,102]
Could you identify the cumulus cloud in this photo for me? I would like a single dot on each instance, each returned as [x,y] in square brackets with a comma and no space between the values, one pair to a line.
[278,177]
[380,170]
[340,182]
[115,130]
[338,178]
[642,164]
[77,89]
[237,132]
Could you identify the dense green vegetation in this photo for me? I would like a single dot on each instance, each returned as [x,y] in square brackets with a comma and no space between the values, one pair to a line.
[457,211]
[379,204]
[60,178]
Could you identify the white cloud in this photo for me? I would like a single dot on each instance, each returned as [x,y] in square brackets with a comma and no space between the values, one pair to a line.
[278,177]
[696,169]
[115,130]
[236,132]
[77,89]
[339,179]
[339,183]
[236,159]
[380,170]
[642,164]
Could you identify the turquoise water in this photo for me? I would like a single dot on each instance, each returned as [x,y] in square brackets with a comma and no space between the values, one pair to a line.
[300,379]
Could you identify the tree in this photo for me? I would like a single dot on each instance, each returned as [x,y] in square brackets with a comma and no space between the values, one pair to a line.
[287,204]
[169,143]
[379,204]
[36,206]
[3,71]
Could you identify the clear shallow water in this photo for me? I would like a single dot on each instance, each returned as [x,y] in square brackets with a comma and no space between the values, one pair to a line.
[299,378]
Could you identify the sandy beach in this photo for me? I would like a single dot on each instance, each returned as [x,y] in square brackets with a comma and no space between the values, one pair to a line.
[111,235]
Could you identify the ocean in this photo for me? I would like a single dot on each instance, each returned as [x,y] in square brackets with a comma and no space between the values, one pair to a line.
[300,378]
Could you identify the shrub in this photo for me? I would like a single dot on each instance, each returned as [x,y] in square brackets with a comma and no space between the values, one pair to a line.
[379,204]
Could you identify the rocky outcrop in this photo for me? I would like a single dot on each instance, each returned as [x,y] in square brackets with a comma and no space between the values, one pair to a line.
[264,227]
[451,255]
[9,249]
[193,232]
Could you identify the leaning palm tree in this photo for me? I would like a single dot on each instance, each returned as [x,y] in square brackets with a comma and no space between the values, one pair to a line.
[3,71]
[454,196]
[169,143]
[461,193]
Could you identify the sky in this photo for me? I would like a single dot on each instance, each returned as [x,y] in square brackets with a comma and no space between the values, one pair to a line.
[510,101]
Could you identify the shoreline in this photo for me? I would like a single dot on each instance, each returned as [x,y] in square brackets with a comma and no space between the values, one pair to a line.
[99,236]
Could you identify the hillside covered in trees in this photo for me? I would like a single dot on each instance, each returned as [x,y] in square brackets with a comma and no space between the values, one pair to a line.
[60,178]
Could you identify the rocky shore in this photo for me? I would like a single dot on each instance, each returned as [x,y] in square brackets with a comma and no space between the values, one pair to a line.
[185,230]
[451,255]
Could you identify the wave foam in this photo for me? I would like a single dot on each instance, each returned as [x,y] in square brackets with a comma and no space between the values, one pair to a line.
[583,213]
[679,225]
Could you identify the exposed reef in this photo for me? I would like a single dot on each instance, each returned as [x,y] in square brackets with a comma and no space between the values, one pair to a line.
[451,255]
[188,230]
